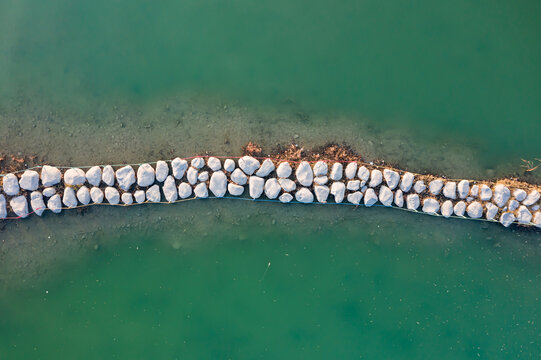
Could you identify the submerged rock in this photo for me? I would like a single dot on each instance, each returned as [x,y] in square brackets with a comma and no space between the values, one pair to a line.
[386,196]
[238,177]
[19,205]
[83,195]
[214,163]
[304,174]
[152,194]
[201,191]
[139,196]
[74,176]
[112,195]
[29,180]
[407,182]
[391,178]
[338,190]
[125,176]
[50,175]
[179,167]
[162,171]
[272,188]
[10,183]
[170,189]
[256,186]
[184,190]
[55,204]
[431,206]
[36,201]
[145,175]
[304,195]
[218,183]
[69,199]
[96,195]
[229,165]
[108,175]
[501,195]
[321,168]
[370,197]
[93,176]
[336,171]
[322,193]
[266,168]
[284,170]
[355,198]
[376,177]
[248,164]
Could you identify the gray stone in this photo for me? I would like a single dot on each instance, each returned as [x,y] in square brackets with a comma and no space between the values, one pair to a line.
[266,168]
[447,208]
[145,175]
[170,189]
[475,210]
[234,189]
[93,176]
[435,186]
[431,206]
[229,165]
[10,183]
[412,201]
[238,177]
[112,195]
[376,177]
[321,168]
[83,195]
[386,196]
[74,176]
[108,175]
[140,197]
[179,167]
[214,163]
[29,180]
[55,204]
[337,170]
[50,175]
[351,170]
[322,193]
[272,188]
[474,192]
[363,173]
[162,171]
[127,198]
[191,175]
[96,195]
[197,162]
[37,203]
[463,188]
[532,198]
[48,192]
[201,191]
[507,218]
[3,209]
[184,190]
[321,180]
[519,194]
[524,216]
[399,198]
[19,205]
[370,197]
[501,195]
[391,178]
[338,190]
[248,164]
[125,177]
[491,211]
[218,183]
[285,198]
[203,176]
[284,170]
[304,174]
[354,185]
[513,205]
[287,184]
[449,190]
[460,208]
[69,199]
[304,195]
[152,194]
[355,198]
[419,186]
[485,193]
[256,186]
[407,182]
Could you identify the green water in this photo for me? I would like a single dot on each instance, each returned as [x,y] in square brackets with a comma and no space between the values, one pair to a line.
[451,86]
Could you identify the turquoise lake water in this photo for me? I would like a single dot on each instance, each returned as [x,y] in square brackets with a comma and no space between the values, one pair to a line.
[342,283]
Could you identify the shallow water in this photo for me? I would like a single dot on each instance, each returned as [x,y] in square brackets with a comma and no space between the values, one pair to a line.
[445,88]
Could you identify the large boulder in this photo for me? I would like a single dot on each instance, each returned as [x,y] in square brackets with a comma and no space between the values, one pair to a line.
[532,198]
[407,182]
[10,183]
[463,188]
[83,195]
[304,174]
[248,164]
[145,175]
[370,197]
[69,199]
[321,168]
[399,198]
[256,186]
[376,177]
[460,208]
[431,206]
[184,190]
[214,163]
[363,173]
[93,176]
[524,216]
[201,191]
[96,195]
[386,196]
[50,175]
[513,205]
[140,196]
[491,211]
[19,205]
[112,195]
[229,165]
[287,184]
[507,218]
[203,176]
[336,171]
[351,170]
[108,175]
[391,178]
[284,170]
[304,195]
[74,177]
[162,171]
[322,193]
[238,177]
[355,198]
[266,168]
[179,166]
[234,189]
[413,201]
[29,180]
[153,194]
[419,186]
[272,188]
[519,194]
[218,183]
[191,175]
[485,193]
[447,208]
[55,204]
[125,176]
[435,186]
[170,189]
[449,190]
[321,180]
[48,192]
[338,190]
[475,210]
[353,185]
[501,195]
[197,162]
[36,202]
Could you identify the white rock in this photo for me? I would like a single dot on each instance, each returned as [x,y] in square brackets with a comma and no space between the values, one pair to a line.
[127,198]
[203,176]
[272,188]
[519,194]
[460,208]
[351,170]
[93,176]
[354,185]
[19,205]
[29,180]
[55,204]
[492,211]
[74,176]
[412,201]
[218,183]
[108,175]
[48,192]
[3,209]
[184,190]
[370,197]
[399,198]
[229,165]
[179,166]
[125,177]
[50,175]
[386,196]
[431,206]
[474,191]
[238,177]
[463,188]
[321,168]
[248,164]
[287,184]
[304,195]
[449,190]
[10,184]
[162,171]
[192,175]
[152,194]
[214,163]
[304,174]
[69,199]
[363,173]
[83,195]
[532,198]
[336,171]
[285,198]
[170,189]
[96,195]
[338,190]
[284,170]
[435,186]
[37,203]
[513,205]
[419,186]
[475,210]
[524,215]
[355,198]
[145,175]
[139,196]
[322,193]
[256,186]
[447,208]
[507,218]
[537,219]
[201,191]
[321,180]
[485,193]
[376,177]
[234,189]
[112,195]
[406,182]
[197,162]
[266,168]
[501,195]
[391,178]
